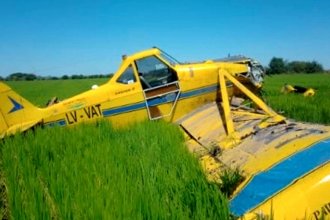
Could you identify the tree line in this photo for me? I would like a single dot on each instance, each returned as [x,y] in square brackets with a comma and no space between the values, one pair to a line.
[276,65]
[31,76]
[279,65]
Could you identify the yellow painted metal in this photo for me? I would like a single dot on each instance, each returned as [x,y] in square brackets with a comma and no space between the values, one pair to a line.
[287,89]
[254,98]
[225,103]
[308,198]
[309,92]
[259,152]
[293,89]
[234,137]
[268,158]
[12,122]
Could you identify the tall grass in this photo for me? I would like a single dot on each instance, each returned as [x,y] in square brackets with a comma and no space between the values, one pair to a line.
[310,109]
[93,171]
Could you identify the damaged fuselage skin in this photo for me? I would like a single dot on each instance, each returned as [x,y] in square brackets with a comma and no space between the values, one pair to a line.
[285,164]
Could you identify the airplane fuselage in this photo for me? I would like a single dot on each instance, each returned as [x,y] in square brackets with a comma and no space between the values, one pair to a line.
[185,88]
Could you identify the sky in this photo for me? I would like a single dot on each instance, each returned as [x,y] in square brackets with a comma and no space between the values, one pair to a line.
[58,37]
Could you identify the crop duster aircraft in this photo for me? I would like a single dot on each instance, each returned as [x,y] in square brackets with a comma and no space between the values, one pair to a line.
[285,163]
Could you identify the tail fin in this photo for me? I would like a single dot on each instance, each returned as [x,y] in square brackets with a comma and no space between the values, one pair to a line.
[16,113]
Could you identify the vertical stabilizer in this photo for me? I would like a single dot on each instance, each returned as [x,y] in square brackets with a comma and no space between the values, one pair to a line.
[16,113]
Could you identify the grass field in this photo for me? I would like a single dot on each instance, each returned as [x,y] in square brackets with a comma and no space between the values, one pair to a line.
[141,172]
[296,106]
[39,92]
[92,171]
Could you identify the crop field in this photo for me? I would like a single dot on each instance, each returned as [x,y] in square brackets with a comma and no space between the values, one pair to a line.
[39,92]
[309,109]
[141,172]
[92,171]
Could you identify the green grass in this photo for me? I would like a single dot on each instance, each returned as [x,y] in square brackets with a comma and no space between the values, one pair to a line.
[93,171]
[39,92]
[230,180]
[309,109]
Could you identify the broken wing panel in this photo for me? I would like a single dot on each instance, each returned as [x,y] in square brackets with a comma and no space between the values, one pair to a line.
[204,125]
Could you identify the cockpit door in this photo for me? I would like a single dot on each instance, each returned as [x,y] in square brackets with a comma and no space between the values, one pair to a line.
[161,100]
[160,85]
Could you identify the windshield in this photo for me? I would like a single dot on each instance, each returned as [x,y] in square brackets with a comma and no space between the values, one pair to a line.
[171,60]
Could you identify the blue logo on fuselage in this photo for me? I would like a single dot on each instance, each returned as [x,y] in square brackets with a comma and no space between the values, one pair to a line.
[16,107]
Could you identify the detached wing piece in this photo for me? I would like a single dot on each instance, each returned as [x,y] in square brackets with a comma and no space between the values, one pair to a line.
[16,113]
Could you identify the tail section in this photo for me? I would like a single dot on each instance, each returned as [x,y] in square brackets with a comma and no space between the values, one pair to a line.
[16,113]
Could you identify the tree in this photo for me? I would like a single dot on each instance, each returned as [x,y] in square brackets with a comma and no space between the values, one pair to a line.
[277,66]
[305,67]
[21,76]
[297,67]
[314,67]
[30,77]
[77,76]
[65,77]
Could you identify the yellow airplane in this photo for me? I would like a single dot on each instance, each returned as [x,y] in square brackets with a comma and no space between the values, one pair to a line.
[285,164]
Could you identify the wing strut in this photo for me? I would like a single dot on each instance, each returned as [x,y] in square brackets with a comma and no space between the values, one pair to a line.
[233,137]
